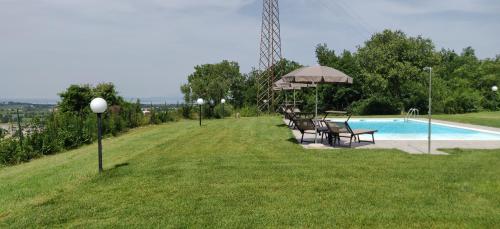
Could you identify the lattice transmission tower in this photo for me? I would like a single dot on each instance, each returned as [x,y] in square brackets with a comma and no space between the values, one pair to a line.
[270,54]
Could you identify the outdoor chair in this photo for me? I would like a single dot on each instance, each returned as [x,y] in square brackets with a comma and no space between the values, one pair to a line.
[291,117]
[321,127]
[336,129]
[285,109]
[305,126]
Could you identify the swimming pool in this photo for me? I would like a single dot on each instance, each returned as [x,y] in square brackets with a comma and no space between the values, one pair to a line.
[398,129]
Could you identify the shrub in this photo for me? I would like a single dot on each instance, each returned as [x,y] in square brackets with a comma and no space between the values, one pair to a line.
[463,102]
[208,111]
[2,133]
[9,151]
[228,110]
[166,116]
[249,111]
[186,111]
[75,125]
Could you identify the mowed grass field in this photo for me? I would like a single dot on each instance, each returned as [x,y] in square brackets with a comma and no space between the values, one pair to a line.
[248,173]
[482,118]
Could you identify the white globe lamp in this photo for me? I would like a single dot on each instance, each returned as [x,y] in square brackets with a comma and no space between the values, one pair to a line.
[98,105]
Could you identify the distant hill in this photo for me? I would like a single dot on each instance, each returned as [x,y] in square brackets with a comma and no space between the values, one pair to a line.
[145,100]
[28,101]
[157,100]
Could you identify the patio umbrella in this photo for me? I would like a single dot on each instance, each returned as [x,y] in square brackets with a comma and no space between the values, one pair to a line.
[282,85]
[317,75]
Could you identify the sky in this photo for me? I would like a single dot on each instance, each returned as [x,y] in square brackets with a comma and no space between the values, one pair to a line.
[147,48]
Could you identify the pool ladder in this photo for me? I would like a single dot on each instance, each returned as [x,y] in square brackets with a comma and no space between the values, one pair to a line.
[412,113]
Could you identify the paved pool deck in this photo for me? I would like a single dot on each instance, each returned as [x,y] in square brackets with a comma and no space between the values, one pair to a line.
[409,146]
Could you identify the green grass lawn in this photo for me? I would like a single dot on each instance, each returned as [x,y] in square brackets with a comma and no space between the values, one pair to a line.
[248,173]
[482,118]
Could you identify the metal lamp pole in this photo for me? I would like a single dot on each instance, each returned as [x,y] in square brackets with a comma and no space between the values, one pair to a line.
[212,107]
[222,101]
[495,90]
[200,102]
[99,140]
[268,109]
[99,106]
[430,108]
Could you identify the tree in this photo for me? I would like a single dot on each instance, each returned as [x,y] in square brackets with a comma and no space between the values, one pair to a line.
[250,88]
[108,92]
[76,98]
[339,96]
[215,82]
[389,65]
[391,59]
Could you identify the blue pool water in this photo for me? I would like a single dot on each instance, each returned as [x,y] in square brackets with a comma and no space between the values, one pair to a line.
[398,129]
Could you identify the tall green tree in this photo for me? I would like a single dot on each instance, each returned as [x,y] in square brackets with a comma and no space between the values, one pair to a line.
[108,92]
[76,98]
[387,70]
[339,96]
[215,82]
[390,60]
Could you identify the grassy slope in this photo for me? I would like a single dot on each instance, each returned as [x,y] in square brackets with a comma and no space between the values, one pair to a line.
[248,173]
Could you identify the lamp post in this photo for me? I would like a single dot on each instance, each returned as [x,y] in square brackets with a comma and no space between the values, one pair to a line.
[430,108]
[200,102]
[265,101]
[212,107]
[99,106]
[222,101]
[495,90]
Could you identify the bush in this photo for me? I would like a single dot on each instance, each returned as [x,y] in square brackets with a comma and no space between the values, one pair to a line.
[249,111]
[9,151]
[75,125]
[166,116]
[376,106]
[207,111]
[463,102]
[2,133]
[228,110]
[154,119]
[186,111]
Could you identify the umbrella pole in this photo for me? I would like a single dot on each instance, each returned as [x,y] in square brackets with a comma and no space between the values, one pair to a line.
[286,99]
[316,116]
[316,102]
[294,98]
